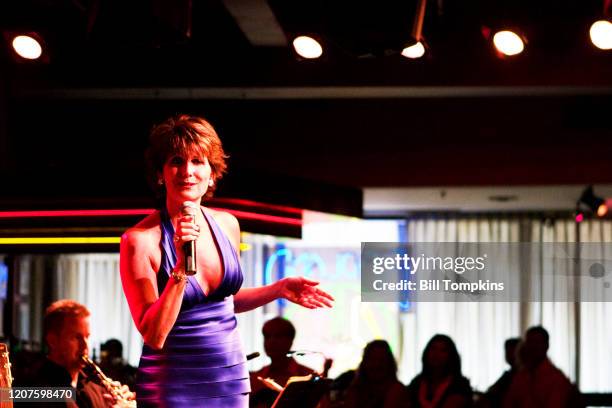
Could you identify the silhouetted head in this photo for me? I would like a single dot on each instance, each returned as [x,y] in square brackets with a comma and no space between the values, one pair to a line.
[111,349]
[378,363]
[536,346]
[510,348]
[278,336]
[441,357]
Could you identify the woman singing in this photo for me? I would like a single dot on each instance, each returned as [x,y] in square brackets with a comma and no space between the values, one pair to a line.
[192,354]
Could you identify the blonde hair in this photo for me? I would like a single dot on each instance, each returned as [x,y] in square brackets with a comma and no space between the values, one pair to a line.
[59,311]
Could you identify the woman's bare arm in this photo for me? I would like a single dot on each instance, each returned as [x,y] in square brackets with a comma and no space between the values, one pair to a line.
[154,315]
[296,289]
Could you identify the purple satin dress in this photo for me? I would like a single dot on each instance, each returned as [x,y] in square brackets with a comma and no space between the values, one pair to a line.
[202,363]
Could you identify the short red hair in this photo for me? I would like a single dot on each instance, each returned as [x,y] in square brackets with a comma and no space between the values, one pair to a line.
[184,135]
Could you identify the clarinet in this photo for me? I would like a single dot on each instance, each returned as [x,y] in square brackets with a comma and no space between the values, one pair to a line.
[102,379]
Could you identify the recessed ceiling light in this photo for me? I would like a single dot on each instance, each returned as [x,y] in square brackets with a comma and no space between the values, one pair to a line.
[307,47]
[414,51]
[601,34]
[508,42]
[27,47]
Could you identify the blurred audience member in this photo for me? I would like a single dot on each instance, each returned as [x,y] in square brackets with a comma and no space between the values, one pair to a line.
[25,364]
[375,384]
[440,383]
[538,383]
[338,390]
[494,396]
[278,336]
[113,364]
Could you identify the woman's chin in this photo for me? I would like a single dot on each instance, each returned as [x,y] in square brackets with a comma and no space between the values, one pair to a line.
[186,196]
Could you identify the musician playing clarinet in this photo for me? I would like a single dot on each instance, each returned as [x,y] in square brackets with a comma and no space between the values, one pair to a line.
[66,333]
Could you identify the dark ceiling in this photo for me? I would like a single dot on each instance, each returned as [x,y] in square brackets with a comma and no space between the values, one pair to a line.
[360,116]
[205,43]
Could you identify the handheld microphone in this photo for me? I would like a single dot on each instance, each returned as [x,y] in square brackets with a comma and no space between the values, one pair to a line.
[189,248]
[252,355]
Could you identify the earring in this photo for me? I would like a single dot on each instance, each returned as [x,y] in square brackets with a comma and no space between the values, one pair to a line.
[160,181]
[211,182]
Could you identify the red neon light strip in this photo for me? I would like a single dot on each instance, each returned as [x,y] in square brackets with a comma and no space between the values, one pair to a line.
[262,217]
[145,211]
[256,204]
[74,213]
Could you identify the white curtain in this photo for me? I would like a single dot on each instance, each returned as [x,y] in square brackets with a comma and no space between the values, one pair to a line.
[94,280]
[28,304]
[595,344]
[479,329]
[580,344]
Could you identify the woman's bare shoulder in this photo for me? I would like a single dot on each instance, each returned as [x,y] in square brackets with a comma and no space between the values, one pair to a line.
[226,221]
[145,233]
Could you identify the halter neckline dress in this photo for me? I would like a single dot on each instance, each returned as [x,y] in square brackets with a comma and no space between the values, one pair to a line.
[202,363]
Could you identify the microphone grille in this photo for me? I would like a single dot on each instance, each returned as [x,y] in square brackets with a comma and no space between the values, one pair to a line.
[188,208]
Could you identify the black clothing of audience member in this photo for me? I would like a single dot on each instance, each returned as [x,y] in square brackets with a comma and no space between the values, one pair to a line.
[538,383]
[88,394]
[375,384]
[278,336]
[440,383]
[113,364]
[339,387]
[495,395]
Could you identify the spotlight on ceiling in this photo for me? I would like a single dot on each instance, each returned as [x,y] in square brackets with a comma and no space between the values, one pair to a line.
[601,34]
[27,47]
[414,51]
[508,42]
[307,47]
[593,203]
